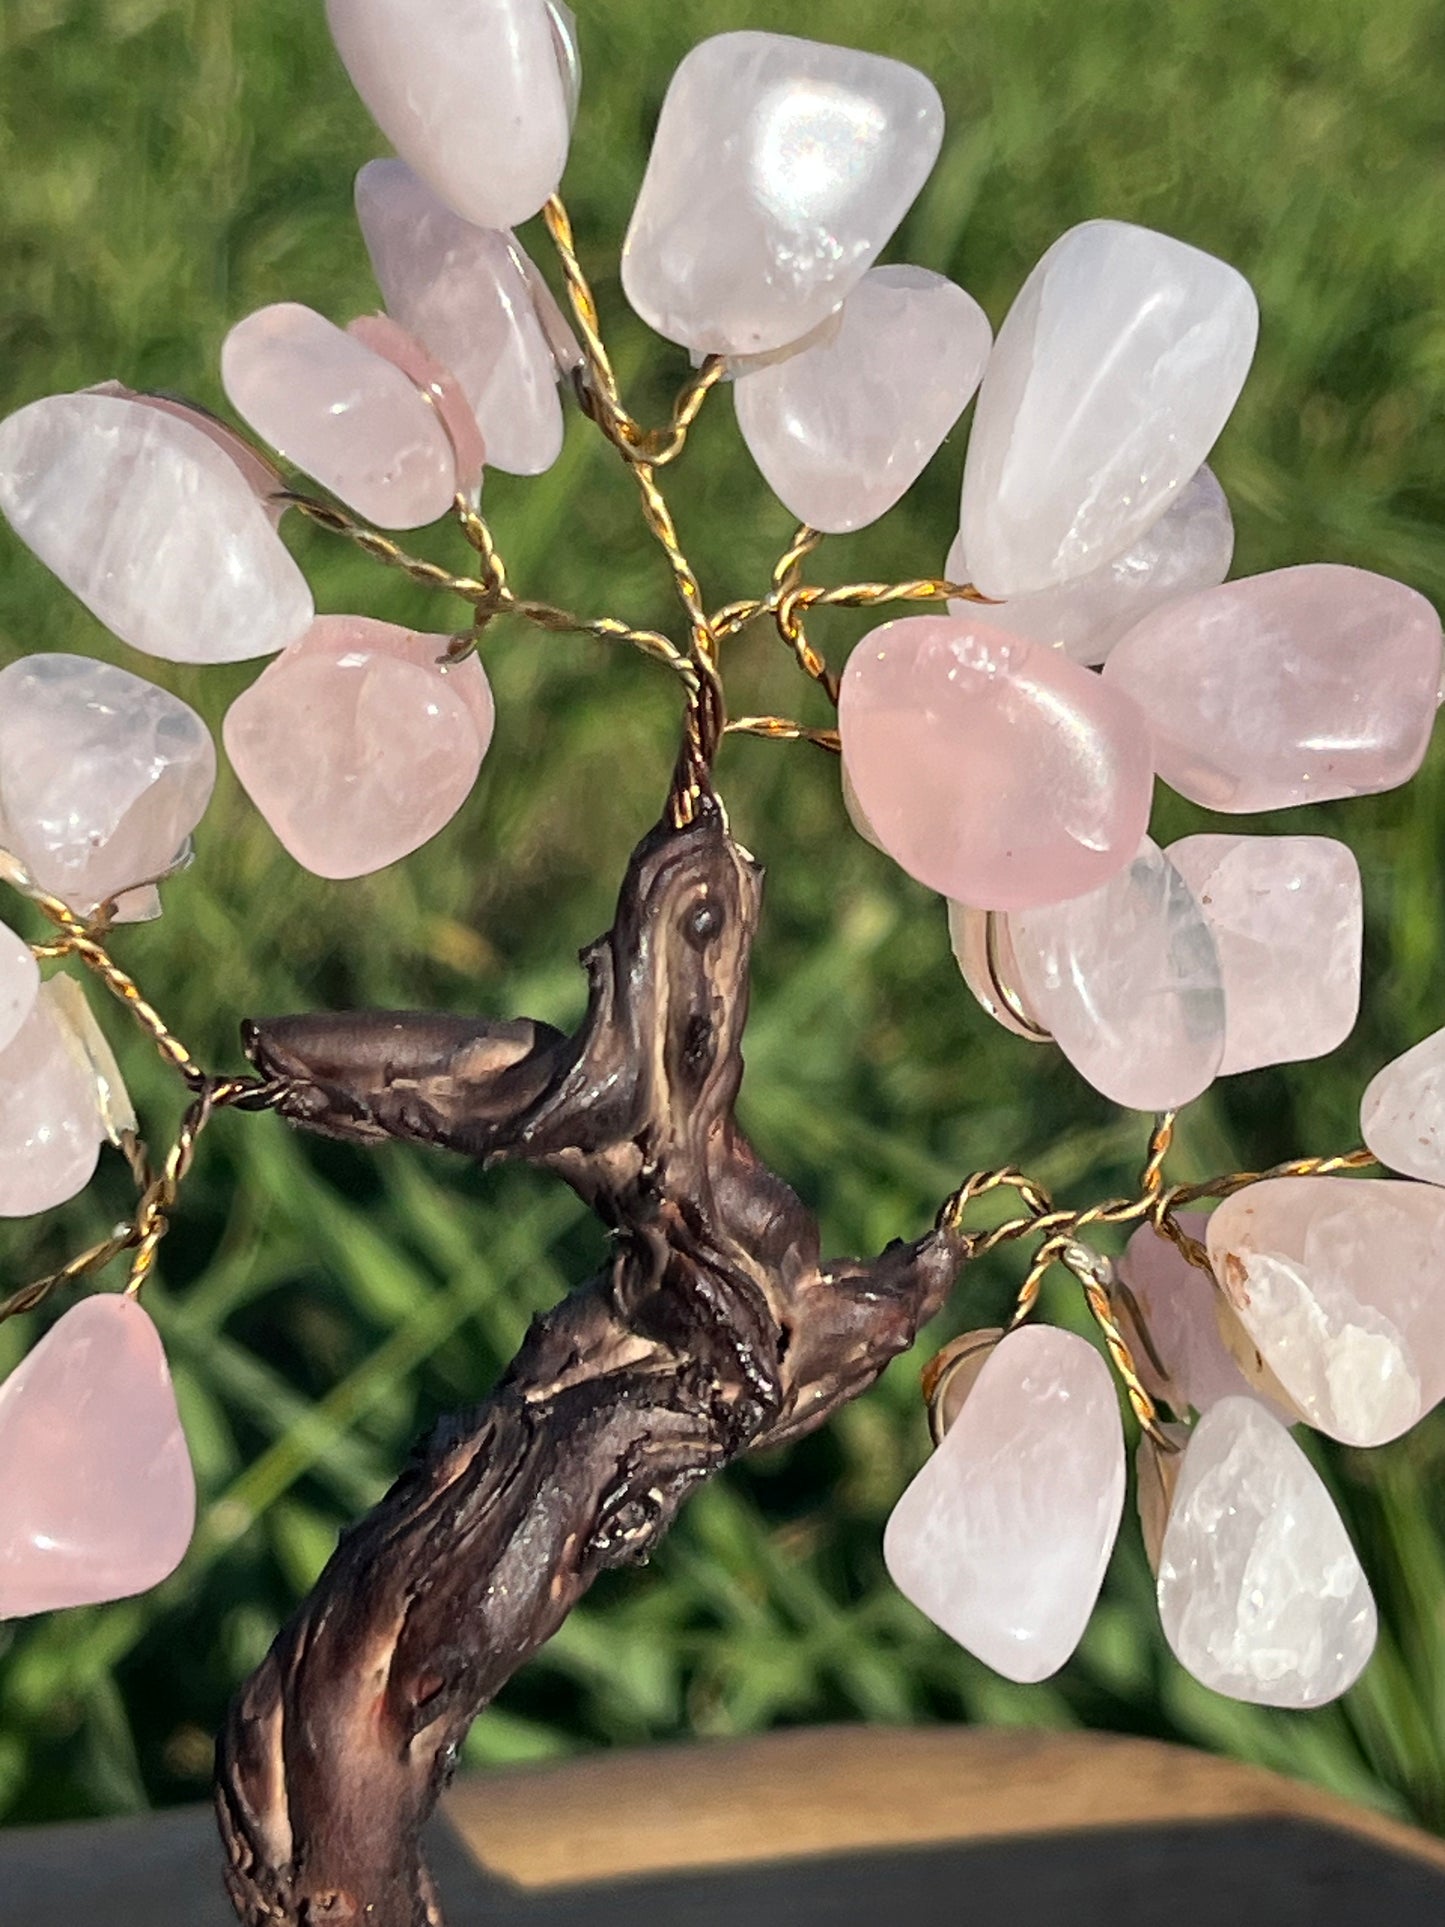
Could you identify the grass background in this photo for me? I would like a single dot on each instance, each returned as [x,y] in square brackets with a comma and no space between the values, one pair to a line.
[168,165]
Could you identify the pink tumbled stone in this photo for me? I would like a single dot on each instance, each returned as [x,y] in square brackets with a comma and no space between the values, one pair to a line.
[1004,1536]
[382,335]
[992,769]
[1403,1113]
[19,984]
[342,413]
[469,295]
[263,478]
[1286,688]
[1287,917]
[98,1500]
[51,1120]
[357,746]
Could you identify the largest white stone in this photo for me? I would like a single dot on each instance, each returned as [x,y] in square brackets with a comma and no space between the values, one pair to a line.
[1004,1536]
[153,526]
[779,169]
[1114,371]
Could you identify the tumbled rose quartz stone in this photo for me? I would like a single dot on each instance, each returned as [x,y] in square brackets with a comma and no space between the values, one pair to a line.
[779,169]
[1126,980]
[1403,1113]
[1287,917]
[153,526]
[1182,1311]
[19,984]
[91,1049]
[473,96]
[1114,371]
[342,413]
[1003,1538]
[99,1500]
[1286,688]
[51,1127]
[841,430]
[356,746]
[1190,547]
[992,769]
[102,777]
[983,950]
[1261,1594]
[441,390]
[569,55]
[1340,1283]
[265,480]
[464,293]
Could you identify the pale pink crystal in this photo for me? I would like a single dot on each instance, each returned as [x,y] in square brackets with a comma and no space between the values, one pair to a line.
[1403,1113]
[342,413]
[984,953]
[992,769]
[470,296]
[51,1127]
[19,984]
[1287,917]
[1126,980]
[382,335]
[262,476]
[1286,688]
[356,746]
[1340,1283]
[98,1500]
[1003,1538]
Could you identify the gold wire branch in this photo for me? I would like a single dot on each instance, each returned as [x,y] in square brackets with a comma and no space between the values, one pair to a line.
[780,729]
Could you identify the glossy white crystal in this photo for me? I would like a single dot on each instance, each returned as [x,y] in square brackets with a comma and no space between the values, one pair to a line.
[153,526]
[474,96]
[19,984]
[1190,547]
[1261,1594]
[51,1126]
[465,293]
[102,778]
[1340,1283]
[779,169]
[1003,1538]
[1113,373]
[1403,1113]
[842,429]
[1287,917]
[1127,981]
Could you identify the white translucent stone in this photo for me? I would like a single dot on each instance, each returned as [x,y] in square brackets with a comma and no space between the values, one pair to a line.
[51,1127]
[1113,373]
[779,169]
[1261,1594]
[842,430]
[1190,547]
[569,54]
[91,1049]
[474,97]
[1126,979]
[1403,1113]
[466,294]
[984,953]
[1340,1283]
[1287,917]
[19,984]
[1004,1536]
[153,526]
[102,778]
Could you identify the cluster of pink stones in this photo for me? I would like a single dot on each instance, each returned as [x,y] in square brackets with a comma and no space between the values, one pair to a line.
[1004,757]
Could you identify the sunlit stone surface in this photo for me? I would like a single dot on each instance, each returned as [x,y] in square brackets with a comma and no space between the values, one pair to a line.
[356,746]
[342,413]
[1182,1310]
[19,984]
[993,770]
[390,340]
[465,293]
[1403,1113]
[51,1127]
[1286,688]
[1190,547]
[841,430]
[983,950]
[475,98]
[98,1500]
[1340,1283]
[152,525]
[1113,373]
[1126,980]
[91,1048]
[1003,1537]
[779,169]
[264,478]
[1260,1591]
[569,55]
[1287,918]
[102,777]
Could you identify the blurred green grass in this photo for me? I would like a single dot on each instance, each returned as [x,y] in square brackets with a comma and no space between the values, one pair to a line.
[169,165]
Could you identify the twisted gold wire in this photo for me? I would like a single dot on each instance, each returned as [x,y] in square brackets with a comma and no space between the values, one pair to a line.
[782,730]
